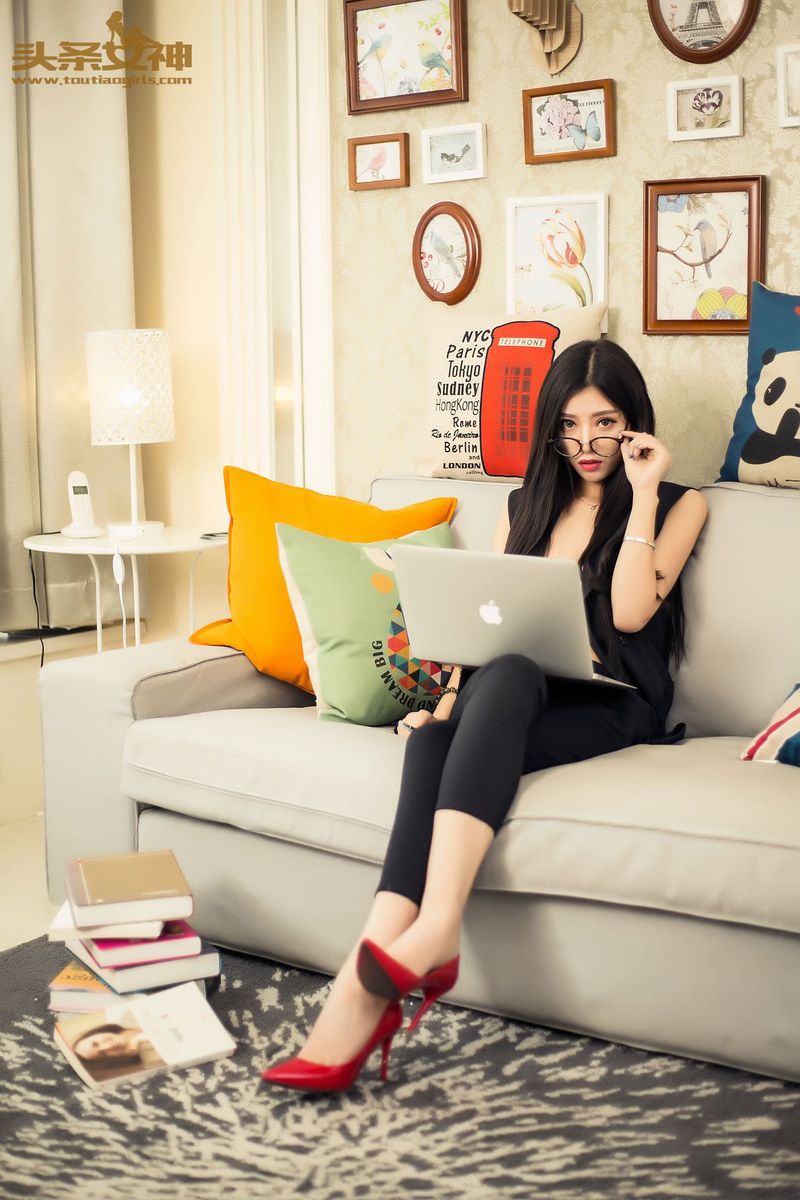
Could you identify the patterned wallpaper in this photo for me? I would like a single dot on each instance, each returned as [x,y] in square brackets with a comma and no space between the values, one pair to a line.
[383,319]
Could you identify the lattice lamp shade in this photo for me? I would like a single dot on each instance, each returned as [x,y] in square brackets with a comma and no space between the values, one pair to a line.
[130,387]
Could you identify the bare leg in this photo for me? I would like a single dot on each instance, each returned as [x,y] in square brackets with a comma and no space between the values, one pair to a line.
[350,1013]
[458,848]
[419,938]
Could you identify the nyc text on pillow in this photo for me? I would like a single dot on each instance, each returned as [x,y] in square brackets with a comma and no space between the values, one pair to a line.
[483,385]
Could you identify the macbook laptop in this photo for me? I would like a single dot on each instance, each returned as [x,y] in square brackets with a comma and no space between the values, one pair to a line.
[465,607]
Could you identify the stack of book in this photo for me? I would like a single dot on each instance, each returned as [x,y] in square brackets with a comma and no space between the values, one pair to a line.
[124,922]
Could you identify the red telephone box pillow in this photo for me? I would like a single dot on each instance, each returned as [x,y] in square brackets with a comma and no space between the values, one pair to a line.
[483,386]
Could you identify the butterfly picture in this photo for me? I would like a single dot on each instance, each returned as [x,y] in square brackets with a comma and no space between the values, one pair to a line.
[580,133]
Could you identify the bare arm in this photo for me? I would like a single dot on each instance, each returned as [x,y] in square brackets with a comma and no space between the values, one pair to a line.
[636,592]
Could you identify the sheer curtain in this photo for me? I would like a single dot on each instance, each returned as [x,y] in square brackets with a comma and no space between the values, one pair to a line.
[66,267]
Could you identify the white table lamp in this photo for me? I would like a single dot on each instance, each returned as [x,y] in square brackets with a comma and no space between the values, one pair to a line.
[130,397]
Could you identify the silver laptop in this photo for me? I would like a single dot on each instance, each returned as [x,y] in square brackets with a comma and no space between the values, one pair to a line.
[465,607]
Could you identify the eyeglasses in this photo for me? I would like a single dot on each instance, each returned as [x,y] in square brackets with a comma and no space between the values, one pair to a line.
[603,447]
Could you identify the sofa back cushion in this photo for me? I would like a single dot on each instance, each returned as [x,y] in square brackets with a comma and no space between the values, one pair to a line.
[741,592]
[742,600]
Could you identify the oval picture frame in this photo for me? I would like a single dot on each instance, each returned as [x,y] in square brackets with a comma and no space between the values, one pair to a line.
[446,259]
[690,47]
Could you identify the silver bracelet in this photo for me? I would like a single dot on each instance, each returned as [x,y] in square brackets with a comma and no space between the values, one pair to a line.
[644,541]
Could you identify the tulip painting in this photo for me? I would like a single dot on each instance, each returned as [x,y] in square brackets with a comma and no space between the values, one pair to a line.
[557,252]
[564,245]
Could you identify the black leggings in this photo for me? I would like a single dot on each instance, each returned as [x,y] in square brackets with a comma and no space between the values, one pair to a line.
[508,720]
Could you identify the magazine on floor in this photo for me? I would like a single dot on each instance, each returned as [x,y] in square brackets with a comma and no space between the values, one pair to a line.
[138,1038]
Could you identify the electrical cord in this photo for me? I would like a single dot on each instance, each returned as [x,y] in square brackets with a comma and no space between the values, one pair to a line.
[36,603]
[118,567]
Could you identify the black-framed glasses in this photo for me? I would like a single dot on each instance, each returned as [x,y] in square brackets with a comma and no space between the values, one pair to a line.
[603,447]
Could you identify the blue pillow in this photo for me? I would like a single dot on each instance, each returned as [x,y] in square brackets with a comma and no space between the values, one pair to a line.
[765,446]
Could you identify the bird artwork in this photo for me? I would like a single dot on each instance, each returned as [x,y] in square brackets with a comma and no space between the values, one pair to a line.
[445,253]
[452,159]
[707,238]
[432,60]
[378,48]
[375,165]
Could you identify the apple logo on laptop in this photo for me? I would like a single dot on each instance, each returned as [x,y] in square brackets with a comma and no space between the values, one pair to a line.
[490,613]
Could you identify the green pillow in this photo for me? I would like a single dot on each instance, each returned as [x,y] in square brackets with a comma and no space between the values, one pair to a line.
[346,605]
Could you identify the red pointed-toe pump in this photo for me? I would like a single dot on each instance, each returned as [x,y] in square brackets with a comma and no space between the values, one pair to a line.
[385,976]
[309,1076]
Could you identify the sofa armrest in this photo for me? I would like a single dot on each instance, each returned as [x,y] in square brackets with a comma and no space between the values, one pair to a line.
[87,704]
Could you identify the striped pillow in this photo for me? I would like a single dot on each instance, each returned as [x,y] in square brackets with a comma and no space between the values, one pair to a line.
[780,741]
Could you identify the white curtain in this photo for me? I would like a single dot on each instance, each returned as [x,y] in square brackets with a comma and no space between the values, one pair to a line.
[66,267]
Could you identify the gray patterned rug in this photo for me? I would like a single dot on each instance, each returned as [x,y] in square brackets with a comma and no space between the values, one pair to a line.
[475,1108]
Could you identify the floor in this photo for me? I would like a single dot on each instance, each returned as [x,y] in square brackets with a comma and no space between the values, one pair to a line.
[25,911]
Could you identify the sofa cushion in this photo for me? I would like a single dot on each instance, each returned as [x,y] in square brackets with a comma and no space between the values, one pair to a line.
[262,624]
[688,828]
[765,446]
[345,600]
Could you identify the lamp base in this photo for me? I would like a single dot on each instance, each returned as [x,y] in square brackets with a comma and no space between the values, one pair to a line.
[134,529]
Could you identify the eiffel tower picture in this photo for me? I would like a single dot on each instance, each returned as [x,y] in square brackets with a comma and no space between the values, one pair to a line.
[702,28]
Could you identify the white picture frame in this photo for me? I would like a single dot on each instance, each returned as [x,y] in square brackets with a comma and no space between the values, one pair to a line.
[704,108]
[453,152]
[556,252]
[788,65]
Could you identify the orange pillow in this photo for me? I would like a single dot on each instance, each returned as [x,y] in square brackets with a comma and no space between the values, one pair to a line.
[262,623]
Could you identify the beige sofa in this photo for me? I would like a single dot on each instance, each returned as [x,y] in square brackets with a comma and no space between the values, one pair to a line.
[651,896]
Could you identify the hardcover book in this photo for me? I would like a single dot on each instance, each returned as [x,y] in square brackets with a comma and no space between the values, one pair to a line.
[77,989]
[178,940]
[141,1037]
[63,926]
[126,887]
[150,975]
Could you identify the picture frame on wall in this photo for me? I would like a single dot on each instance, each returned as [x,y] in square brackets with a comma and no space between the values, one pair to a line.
[563,124]
[453,152]
[704,108]
[404,55]
[788,62]
[446,252]
[702,32]
[703,247]
[557,251]
[380,161]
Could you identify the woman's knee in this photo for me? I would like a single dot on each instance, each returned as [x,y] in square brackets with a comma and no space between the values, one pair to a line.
[516,670]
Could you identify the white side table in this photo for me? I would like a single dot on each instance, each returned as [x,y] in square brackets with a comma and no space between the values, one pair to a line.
[171,541]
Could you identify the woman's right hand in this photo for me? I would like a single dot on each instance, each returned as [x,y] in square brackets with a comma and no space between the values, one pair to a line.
[412,721]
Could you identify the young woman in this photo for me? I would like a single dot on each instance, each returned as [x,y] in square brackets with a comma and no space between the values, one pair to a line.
[593,492]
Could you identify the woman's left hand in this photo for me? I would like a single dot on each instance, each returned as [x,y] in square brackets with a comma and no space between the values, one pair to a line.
[646,460]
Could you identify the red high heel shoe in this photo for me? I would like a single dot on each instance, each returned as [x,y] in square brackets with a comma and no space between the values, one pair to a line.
[317,1077]
[385,976]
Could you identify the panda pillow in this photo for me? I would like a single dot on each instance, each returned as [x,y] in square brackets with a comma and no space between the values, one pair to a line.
[765,446]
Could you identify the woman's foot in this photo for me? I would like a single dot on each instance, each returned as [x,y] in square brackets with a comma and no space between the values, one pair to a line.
[348,1017]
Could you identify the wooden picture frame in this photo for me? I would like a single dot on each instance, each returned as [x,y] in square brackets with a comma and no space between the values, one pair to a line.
[703,248]
[446,257]
[704,108]
[383,164]
[705,41]
[404,55]
[550,133]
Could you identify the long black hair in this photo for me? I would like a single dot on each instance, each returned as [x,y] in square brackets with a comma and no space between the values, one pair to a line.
[550,482]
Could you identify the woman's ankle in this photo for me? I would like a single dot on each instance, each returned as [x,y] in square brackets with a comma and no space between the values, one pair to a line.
[426,944]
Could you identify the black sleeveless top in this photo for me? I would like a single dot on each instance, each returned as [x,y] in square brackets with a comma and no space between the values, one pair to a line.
[644,654]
